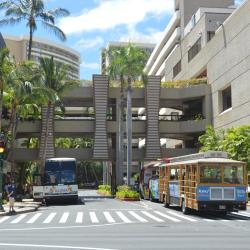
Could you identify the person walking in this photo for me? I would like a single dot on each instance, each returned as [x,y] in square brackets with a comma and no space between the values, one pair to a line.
[11,191]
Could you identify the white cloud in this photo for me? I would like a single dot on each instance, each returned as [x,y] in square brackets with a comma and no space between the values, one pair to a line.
[112,13]
[150,36]
[89,43]
[91,66]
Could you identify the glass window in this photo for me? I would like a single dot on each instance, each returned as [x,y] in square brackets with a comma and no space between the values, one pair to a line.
[68,177]
[233,174]
[226,98]
[210,174]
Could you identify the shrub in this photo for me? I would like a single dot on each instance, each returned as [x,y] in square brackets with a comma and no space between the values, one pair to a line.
[104,189]
[126,192]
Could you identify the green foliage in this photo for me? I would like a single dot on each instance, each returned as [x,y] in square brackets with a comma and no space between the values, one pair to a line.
[126,192]
[104,189]
[235,141]
[184,83]
[210,140]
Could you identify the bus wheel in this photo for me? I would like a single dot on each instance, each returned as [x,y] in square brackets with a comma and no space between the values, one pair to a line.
[185,210]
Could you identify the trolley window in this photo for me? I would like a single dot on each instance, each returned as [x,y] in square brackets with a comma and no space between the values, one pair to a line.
[210,174]
[233,174]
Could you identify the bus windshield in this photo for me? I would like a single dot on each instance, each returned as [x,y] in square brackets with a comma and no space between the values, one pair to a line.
[60,172]
[210,174]
[233,174]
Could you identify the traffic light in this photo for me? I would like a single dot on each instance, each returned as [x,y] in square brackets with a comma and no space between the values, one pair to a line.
[2,148]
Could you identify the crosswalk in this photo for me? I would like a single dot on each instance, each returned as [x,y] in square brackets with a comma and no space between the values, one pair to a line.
[111,217]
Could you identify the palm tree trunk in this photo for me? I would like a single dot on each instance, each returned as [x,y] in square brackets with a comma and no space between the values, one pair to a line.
[129,131]
[13,139]
[44,152]
[30,43]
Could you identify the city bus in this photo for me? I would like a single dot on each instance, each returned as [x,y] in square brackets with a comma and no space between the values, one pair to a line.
[204,182]
[59,181]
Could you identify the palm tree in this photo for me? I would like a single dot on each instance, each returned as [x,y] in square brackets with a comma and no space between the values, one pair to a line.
[55,79]
[32,11]
[127,63]
[23,94]
[5,68]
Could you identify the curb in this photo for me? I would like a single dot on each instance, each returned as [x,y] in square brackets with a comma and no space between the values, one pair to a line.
[20,211]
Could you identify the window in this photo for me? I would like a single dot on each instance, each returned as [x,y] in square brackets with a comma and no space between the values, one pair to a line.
[194,50]
[210,35]
[210,174]
[233,175]
[177,69]
[226,98]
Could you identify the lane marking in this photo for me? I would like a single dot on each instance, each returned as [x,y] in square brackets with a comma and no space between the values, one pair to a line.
[4,218]
[34,218]
[108,217]
[53,246]
[93,217]
[182,216]
[167,217]
[152,216]
[123,217]
[49,218]
[138,217]
[19,218]
[79,217]
[65,227]
[64,217]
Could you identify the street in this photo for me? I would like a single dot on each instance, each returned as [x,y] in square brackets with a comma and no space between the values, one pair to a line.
[112,224]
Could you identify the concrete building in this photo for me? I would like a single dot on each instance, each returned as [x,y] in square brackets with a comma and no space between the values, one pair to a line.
[177,29]
[148,47]
[18,47]
[213,45]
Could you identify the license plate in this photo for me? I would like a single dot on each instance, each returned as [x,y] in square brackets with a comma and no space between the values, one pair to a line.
[222,207]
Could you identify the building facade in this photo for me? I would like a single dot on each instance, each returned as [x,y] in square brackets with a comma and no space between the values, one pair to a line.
[214,45]
[18,47]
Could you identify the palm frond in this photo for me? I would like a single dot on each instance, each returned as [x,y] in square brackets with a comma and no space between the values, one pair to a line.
[59,12]
[11,21]
[57,31]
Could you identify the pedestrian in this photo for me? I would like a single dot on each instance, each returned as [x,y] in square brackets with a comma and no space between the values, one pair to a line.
[11,191]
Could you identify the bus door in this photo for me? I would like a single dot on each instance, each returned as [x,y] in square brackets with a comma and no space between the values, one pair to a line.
[189,186]
[174,186]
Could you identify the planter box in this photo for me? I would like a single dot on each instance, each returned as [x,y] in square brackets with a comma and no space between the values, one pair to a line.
[128,199]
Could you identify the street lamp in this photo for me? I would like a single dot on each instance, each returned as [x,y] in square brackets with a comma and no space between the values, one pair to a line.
[2,151]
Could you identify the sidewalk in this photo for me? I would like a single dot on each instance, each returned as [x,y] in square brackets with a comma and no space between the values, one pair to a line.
[92,194]
[25,206]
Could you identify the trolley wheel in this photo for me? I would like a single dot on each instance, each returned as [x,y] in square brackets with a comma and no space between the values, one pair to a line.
[185,210]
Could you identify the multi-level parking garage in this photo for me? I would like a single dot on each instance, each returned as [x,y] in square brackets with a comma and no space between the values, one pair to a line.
[194,102]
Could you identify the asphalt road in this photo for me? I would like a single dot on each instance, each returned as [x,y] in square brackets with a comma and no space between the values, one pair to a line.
[112,224]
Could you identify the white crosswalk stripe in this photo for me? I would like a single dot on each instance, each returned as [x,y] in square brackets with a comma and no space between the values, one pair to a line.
[4,219]
[49,218]
[167,217]
[108,217]
[138,217]
[79,217]
[182,216]
[19,218]
[64,217]
[123,217]
[93,217]
[152,216]
[114,216]
[34,218]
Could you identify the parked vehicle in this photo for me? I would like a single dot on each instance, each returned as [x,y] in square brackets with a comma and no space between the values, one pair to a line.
[204,182]
[58,182]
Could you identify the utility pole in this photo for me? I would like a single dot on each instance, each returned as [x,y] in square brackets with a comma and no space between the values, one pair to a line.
[2,151]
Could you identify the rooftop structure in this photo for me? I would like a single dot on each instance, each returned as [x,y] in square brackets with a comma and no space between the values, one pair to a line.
[18,47]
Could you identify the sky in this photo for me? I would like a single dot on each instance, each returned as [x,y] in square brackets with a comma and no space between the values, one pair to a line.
[94,23]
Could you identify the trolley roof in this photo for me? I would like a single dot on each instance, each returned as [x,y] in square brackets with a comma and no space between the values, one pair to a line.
[206,157]
[60,159]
